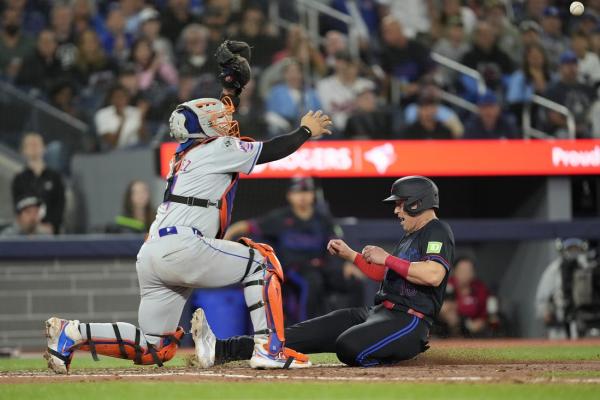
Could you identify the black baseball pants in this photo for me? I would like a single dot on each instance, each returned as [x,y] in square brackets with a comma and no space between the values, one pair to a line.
[363,336]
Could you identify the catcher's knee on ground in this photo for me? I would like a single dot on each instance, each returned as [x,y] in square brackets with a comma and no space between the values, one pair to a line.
[127,342]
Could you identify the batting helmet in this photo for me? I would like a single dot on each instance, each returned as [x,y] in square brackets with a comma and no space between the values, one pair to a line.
[203,118]
[415,191]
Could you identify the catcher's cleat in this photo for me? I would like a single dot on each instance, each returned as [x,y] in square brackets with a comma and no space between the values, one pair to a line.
[286,358]
[62,335]
[204,339]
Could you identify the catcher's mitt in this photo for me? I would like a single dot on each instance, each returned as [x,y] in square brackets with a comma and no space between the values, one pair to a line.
[234,69]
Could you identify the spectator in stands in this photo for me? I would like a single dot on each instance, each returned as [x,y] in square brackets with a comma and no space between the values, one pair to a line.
[299,47]
[534,10]
[42,67]
[454,45]
[118,124]
[465,307]
[93,67]
[588,22]
[29,212]
[338,92]
[61,23]
[115,40]
[131,11]
[369,120]
[175,18]
[487,58]
[289,100]
[427,125]
[533,78]
[588,62]
[40,181]
[299,233]
[490,122]
[404,59]
[509,36]
[256,31]
[14,44]
[138,212]
[62,96]
[194,56]
[334,43]
[414,16]
[128,78]
[150,30]
[443,114]
[34,17]
[531,34]
[453,9]
[85,16]
[153,71]
[553,39]
[576,96]
[216,17]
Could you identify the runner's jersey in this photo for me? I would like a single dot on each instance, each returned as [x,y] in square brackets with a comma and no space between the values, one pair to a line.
[434,242]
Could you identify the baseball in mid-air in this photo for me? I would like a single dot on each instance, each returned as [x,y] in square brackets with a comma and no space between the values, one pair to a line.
[576,8]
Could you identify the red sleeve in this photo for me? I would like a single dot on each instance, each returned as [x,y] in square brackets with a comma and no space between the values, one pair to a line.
[375,272]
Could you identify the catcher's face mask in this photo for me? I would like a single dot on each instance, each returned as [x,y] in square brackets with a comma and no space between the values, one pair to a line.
[202,118]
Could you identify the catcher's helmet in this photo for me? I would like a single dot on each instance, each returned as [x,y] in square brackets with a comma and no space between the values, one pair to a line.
[203,118]
[415,191]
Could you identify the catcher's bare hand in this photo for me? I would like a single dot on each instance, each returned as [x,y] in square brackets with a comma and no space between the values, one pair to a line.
[338,247]
[375,255]
[317,122]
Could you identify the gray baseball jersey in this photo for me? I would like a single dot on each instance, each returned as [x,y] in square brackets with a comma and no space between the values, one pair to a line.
[205,173]
[187,255]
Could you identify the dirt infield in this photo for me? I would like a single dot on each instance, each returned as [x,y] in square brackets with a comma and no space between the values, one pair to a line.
[436,367]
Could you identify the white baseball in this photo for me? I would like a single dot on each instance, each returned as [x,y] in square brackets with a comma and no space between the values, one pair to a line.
[576,8]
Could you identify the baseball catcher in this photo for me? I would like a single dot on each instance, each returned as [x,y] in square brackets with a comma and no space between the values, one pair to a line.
[185,250]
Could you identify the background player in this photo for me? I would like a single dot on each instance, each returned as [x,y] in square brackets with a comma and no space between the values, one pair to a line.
[184,249]
[413,282]
[299,232]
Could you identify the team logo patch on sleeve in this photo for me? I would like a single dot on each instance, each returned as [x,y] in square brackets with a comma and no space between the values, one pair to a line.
[434,247]
[246,147]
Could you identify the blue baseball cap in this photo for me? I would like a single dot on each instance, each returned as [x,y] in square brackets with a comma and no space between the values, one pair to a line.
[301,184]
[551,11]
[568,57]
[487,98]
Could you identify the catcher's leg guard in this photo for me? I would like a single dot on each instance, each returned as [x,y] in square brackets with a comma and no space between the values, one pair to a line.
[122,340]
[271,324]
[267,313]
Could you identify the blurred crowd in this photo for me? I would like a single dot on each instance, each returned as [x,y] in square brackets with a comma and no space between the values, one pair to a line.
[122,66]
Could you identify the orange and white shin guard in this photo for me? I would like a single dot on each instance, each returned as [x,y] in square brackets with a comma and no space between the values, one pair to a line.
[133,350]
[271,301]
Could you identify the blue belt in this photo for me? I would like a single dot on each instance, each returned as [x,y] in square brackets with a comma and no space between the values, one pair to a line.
[172,230]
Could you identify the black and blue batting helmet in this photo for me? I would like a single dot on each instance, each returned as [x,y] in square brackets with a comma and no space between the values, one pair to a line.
[418,193]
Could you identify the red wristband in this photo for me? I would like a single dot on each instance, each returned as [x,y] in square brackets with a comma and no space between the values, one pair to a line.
[399,265]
